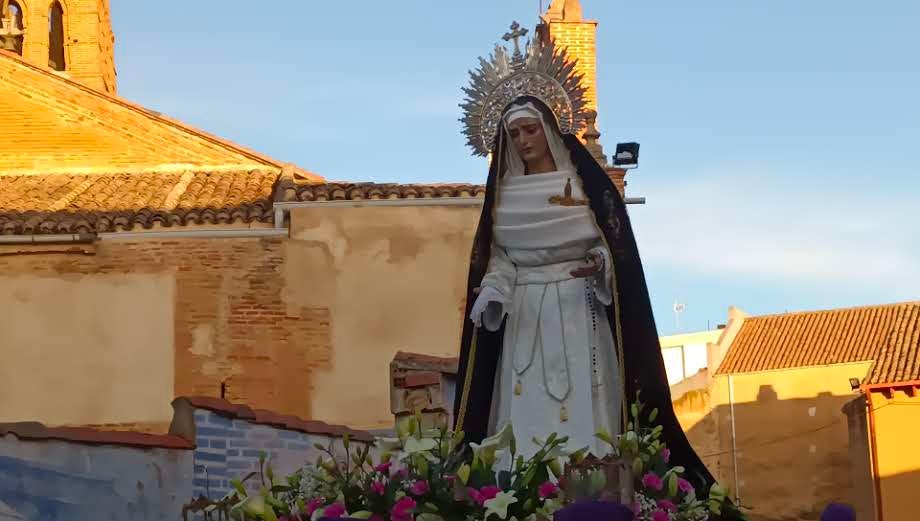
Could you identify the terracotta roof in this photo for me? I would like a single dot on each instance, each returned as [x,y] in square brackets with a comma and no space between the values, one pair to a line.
[888,335]
[265,417]
[37,431]
[340,191]
[66,203]
[49,123]
[426,362]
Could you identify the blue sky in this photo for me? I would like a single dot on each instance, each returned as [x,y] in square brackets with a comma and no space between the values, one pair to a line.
[780,140]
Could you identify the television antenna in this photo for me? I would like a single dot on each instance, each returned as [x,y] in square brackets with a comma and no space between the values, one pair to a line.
[679,308]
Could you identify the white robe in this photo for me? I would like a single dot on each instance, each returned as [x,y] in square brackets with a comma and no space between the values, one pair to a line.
[558,370]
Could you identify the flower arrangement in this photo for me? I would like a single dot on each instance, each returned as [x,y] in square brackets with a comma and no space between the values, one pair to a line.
[433,476]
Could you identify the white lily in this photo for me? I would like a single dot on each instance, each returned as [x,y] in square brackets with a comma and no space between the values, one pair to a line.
[414,445]
[499,504]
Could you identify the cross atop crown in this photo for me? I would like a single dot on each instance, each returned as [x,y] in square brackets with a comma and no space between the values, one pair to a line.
[516,33]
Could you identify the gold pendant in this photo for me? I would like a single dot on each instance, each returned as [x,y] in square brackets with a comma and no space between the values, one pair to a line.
[563,414]
[517,388]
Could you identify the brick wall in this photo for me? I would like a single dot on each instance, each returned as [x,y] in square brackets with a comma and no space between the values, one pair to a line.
[579,38]
[231,323]
[88,37]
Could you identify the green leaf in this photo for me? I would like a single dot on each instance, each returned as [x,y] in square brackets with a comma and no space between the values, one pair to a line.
[463,473]
[672,485]
[637,467]
[605,437]
[361,514]
[235,483]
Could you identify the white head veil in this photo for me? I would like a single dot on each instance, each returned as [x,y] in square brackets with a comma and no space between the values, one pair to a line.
[514,165]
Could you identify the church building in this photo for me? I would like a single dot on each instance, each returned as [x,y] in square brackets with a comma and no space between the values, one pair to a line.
[143,259]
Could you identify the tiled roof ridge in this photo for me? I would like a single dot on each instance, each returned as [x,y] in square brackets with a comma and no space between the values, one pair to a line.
[356,191]
[92,436]
[274,419]
[833,310]
[154,115]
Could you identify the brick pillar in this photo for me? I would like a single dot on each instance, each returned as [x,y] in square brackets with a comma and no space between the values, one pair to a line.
[570,31]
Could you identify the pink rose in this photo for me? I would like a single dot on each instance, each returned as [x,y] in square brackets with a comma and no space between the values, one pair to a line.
[378,488]
[419,488]
[660,515]
[666,454]
[667,505]
[547,489]
[652,481]
[384,467]
[402,510]
[489,492]
[684,486]
[484,494]
[402,473]
[334,511]
[313,504]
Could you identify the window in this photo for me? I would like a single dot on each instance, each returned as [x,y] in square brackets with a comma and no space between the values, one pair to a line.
[13,30]
[56,37]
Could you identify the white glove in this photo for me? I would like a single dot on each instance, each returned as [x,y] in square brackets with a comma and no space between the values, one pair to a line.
[486,295]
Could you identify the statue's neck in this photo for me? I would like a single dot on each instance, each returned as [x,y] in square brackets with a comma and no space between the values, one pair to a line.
[541,166]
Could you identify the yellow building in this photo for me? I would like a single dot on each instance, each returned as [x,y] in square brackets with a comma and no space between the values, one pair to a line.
[770,423]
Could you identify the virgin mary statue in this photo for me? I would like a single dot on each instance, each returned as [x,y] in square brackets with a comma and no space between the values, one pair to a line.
[560,335]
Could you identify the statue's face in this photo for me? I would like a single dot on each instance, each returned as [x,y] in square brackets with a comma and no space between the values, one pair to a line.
[529,139]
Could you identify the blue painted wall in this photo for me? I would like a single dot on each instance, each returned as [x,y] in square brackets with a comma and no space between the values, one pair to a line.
[51,480]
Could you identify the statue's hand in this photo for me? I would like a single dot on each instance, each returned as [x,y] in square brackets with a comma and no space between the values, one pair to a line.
[593,265]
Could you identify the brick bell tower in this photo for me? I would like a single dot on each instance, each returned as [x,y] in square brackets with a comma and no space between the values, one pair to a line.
[566,26]
[73,37]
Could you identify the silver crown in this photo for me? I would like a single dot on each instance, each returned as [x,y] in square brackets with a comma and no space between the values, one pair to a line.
[541,71]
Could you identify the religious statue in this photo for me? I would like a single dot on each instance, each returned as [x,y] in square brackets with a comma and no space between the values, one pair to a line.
[560,336]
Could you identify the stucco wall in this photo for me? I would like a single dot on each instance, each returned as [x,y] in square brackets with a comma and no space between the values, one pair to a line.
[896,422]
[392,278]
[61,481]
[86,348]
[791,437]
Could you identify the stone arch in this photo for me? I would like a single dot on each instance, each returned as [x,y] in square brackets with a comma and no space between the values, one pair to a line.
[12,41]
[56,36]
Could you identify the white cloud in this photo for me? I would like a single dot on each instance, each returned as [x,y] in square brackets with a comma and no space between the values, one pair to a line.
[807,238]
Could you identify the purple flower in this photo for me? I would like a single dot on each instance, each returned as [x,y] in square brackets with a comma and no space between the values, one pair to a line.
[684,486]
[402,510]
[660,515]
[652,481]
[666,454]
[667,505]
[383,467]
[419,488]
[547,489]
[334,510]
[378,488]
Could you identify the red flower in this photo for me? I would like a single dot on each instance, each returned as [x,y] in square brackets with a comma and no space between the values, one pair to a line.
[383,467]
[684,486]
[666,454]
[547,489]
[419,488]
[402,510]
[660,515]
[334,511]
[378,488]
[652,481]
